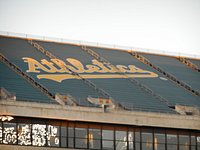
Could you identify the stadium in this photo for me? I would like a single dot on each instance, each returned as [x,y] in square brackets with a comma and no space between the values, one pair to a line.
[57,94]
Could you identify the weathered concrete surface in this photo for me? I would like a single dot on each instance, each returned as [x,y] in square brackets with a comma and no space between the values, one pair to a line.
[27,109]
[16,147]
[187,109]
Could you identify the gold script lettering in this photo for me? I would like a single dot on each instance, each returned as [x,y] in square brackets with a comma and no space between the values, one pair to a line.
[33,65]
[61,64]
[74,65]
[103,68]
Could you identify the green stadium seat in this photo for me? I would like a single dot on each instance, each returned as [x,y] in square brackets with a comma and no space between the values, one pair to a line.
[23,90]
[176,68]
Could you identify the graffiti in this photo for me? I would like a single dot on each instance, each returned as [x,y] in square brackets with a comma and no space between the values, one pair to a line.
[24,136]
[51,135]
[198,139]
[10,135]
[39,135]
[1,134]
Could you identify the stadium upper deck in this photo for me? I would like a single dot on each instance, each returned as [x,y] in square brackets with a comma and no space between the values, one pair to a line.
[84,77]
[101,74]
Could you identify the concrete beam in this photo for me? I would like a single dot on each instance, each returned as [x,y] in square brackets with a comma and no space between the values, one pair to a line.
[75,113]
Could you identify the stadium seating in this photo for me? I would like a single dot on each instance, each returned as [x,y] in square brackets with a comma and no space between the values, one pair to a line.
[122,90]
[176,68]
[16,49]
[170,91]
[127,93]
[23,90]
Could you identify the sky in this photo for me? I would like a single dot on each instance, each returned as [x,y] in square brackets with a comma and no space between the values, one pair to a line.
[168,25]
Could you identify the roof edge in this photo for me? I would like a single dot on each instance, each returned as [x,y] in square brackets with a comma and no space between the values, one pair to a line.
[98,45]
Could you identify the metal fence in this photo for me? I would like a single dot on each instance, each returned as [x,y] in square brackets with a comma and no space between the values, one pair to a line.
[80,42]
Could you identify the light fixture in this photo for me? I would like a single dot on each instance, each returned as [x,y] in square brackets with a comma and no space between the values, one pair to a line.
[9,118]
[4,118]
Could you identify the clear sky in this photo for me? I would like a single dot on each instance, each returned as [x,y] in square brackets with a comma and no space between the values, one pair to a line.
[170,25]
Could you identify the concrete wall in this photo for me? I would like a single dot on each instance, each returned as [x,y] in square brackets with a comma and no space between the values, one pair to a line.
[16,108]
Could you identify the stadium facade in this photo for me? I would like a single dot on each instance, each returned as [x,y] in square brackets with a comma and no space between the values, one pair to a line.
[57,95]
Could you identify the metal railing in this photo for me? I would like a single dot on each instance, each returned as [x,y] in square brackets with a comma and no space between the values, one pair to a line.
[166,74]
[97,44]
[132,80]
[189,64]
